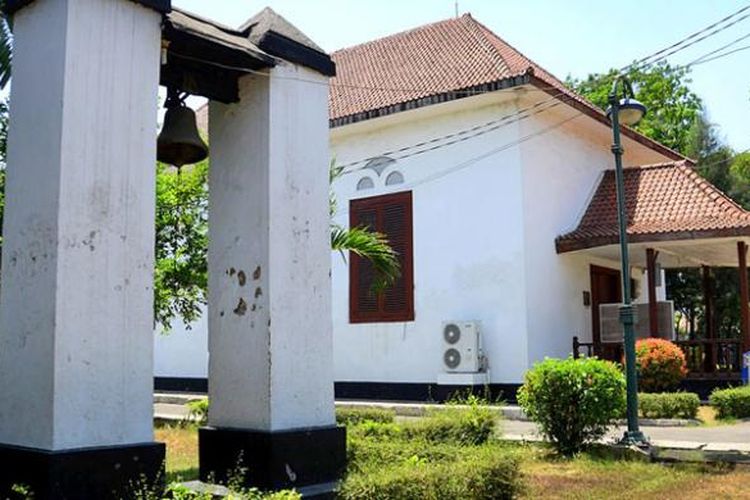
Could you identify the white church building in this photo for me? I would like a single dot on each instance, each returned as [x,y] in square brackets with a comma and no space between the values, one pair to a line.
[493,182]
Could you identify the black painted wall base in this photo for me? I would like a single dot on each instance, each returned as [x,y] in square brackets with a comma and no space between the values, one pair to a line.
[416,392]
[380,391]
[112,472]
[273,460]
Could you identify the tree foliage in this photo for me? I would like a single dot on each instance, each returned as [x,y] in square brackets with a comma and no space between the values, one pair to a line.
[180,275]
[665,90]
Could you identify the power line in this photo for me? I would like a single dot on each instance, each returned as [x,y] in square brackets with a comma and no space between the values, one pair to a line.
[663,52]
[729,53]
[726,46]
[472,161]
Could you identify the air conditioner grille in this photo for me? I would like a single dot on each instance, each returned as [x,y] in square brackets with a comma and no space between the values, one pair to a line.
[452,333]
[452,358]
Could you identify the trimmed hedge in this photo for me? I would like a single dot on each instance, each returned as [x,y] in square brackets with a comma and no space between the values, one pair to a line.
[668,405]
[466,426]
[473,473]
[574,401]
[731,403]
[354,416]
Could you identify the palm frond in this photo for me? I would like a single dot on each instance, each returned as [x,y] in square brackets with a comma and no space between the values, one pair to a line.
[6,47]
[371,246]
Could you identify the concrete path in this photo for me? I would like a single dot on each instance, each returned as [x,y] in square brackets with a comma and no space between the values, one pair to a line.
[172,407]
[737,435]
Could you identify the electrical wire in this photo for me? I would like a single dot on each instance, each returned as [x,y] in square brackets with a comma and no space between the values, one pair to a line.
[472,161]
[662,52]
[726,46]
[729,53]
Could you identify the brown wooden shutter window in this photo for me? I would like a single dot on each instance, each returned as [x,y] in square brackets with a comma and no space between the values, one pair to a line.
[390,215]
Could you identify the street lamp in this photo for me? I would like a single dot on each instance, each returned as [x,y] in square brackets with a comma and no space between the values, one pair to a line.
[628,111]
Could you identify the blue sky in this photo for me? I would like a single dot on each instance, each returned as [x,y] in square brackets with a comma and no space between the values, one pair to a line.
[574,37]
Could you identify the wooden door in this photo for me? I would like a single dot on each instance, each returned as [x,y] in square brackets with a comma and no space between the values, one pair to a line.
[606,288]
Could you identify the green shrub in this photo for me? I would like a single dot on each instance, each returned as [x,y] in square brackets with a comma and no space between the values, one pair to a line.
[669,405]
[573,401]
[731,403]
[365,453]
[198,411]
[354,416]
[469,426]
[661,365]
[482,472]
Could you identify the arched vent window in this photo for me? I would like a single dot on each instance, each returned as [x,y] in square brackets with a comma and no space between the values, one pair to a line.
[394,178]
[365,183]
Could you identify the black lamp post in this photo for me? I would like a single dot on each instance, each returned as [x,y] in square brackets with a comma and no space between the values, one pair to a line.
[628,111]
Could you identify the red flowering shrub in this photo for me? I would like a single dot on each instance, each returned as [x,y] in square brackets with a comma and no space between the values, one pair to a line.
[660,364]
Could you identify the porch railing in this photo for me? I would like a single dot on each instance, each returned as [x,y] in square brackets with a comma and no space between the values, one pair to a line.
[711,357]
[585,348]
[704,357]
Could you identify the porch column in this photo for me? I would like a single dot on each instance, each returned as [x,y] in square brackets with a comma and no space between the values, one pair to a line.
[76,320]
[710,353]
[653,306]
[744,326]
[270,330]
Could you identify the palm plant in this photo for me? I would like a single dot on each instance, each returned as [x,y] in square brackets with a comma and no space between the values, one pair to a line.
[6,46]
[363,242]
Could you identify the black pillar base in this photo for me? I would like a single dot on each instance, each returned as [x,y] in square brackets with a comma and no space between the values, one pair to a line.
[273,460]
[115,472]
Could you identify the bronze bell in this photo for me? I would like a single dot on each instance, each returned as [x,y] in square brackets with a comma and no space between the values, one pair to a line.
[179,142]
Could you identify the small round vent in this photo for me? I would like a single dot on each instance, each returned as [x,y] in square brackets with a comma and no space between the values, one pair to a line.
[452,358]
[452,333]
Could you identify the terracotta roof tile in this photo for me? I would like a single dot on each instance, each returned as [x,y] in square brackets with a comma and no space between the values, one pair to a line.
[446,56]
[668,201]
[436,62]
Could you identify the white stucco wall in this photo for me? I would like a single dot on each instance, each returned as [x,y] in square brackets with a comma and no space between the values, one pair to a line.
[561,170]
[467,241]
[182,352]
[483,238]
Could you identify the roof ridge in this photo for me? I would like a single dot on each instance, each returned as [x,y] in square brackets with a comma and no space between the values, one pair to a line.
[470,25]
[709,188]
[653,166]
[487,31]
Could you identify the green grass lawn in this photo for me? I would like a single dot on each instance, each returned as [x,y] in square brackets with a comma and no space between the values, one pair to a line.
[546,476]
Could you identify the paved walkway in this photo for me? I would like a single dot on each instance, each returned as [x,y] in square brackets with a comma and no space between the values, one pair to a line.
[737,434]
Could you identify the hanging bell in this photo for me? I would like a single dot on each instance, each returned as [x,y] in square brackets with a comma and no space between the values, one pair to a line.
[179,142]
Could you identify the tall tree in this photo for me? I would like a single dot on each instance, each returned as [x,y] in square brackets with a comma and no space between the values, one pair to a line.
[673,107]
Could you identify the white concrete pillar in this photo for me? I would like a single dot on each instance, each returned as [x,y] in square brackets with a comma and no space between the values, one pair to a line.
[76,324]
[270,331]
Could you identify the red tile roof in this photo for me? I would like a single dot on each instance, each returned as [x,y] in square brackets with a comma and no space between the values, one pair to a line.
[668,201]
[438,62]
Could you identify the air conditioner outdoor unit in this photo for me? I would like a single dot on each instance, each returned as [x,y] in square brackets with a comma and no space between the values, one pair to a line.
[610,328]
[461,347]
